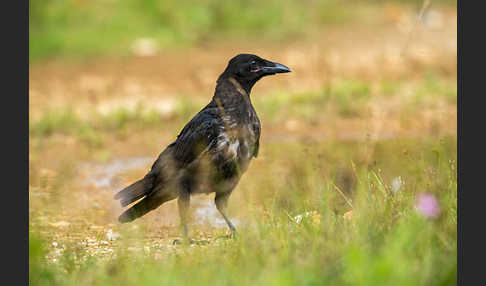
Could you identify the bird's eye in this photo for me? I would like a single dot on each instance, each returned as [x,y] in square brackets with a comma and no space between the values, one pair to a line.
[254,67]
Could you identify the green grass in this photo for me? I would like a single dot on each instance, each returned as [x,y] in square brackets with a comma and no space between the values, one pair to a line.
[343,99]
[387,242]
[66,121]
[348,98]
[72,28]
[77,29]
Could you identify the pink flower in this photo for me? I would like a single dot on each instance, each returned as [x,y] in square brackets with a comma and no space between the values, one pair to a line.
[427,205]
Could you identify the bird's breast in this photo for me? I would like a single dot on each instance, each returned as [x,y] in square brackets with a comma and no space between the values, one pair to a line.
[240,133]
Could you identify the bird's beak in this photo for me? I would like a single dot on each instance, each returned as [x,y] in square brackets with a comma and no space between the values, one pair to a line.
[273,68]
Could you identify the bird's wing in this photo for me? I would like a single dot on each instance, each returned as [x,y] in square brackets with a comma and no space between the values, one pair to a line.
[256,129]
[197,137]
[256,149]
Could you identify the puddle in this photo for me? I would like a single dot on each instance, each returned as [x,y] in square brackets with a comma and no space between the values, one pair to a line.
[205,213]
[105,175]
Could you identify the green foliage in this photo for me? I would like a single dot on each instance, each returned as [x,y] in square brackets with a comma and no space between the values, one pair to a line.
[39,272]
[418,3]
[66,121]
[350,95]
[347,98]
[343,99]
[79,28]
[54,121]
[74,28]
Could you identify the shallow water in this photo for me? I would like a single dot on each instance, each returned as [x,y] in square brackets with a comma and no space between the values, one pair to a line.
[104,175]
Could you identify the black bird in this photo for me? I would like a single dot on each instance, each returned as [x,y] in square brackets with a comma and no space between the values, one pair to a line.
[211,152]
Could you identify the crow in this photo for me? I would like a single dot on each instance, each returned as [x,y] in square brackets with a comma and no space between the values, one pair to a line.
[212,151]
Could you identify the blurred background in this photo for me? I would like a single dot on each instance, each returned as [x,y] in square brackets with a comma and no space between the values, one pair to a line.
[357,166]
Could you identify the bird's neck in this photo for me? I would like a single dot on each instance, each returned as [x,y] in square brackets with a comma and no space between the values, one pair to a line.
[230,90]
[237,85]
[238,82]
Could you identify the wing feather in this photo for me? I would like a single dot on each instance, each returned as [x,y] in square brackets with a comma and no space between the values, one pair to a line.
[197,137]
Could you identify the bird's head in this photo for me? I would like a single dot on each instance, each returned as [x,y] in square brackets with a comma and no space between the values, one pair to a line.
[247,69]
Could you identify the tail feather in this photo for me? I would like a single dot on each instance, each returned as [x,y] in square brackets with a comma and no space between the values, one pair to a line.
[134,192]
[143,207]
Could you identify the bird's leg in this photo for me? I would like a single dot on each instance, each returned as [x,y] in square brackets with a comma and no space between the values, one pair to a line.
[183,204]
[221,201]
